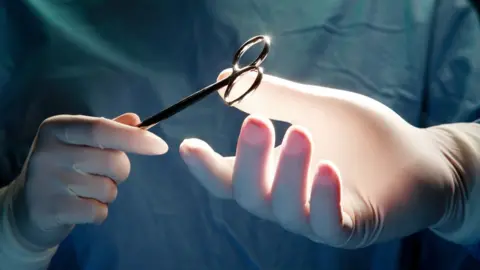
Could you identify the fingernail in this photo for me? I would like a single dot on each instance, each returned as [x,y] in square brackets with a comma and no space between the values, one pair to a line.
[325,175]
[297,143]
[188,146]
[254,132]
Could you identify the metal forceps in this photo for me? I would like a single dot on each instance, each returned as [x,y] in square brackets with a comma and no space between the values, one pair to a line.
[229,82]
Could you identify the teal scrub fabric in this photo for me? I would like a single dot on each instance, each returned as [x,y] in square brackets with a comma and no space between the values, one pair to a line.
[107,57]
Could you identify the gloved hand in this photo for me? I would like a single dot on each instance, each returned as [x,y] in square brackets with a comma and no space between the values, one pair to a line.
[72,173]
[350,172]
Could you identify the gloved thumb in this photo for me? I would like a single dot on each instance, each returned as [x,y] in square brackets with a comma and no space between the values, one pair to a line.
[129,119]
[274,98]
[292,102]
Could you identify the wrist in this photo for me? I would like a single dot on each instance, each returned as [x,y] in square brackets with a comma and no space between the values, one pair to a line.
[460,220]
[17,246]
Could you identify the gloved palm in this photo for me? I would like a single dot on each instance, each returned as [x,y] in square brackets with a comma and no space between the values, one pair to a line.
[349,173]
[72,173]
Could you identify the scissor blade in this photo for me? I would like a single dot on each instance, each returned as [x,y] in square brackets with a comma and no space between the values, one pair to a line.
[182,104]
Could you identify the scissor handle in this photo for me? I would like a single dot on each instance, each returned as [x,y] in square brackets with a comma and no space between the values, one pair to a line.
[233,79]
[247,45]
[238,71]
[229,82]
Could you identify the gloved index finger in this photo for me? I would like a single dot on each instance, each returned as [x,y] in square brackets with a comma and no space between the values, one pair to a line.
[105,133]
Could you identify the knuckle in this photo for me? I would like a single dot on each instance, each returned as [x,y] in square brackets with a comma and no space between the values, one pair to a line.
[286,219]
[220,191]
[47,129]
[49,122]
[290,219]
[88,128]
[53,122]
[249,203]
[97,123]
[94,128]
[55,128]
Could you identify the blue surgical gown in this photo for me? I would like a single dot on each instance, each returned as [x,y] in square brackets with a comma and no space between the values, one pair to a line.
[107,57]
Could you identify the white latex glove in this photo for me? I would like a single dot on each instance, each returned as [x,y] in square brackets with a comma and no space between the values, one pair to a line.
[349,173]
[72,173]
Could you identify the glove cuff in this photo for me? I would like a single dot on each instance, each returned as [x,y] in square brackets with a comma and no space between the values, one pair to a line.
[12,252]
[460,144]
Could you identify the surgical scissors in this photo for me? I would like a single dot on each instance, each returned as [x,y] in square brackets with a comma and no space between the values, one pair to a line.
[229,82]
